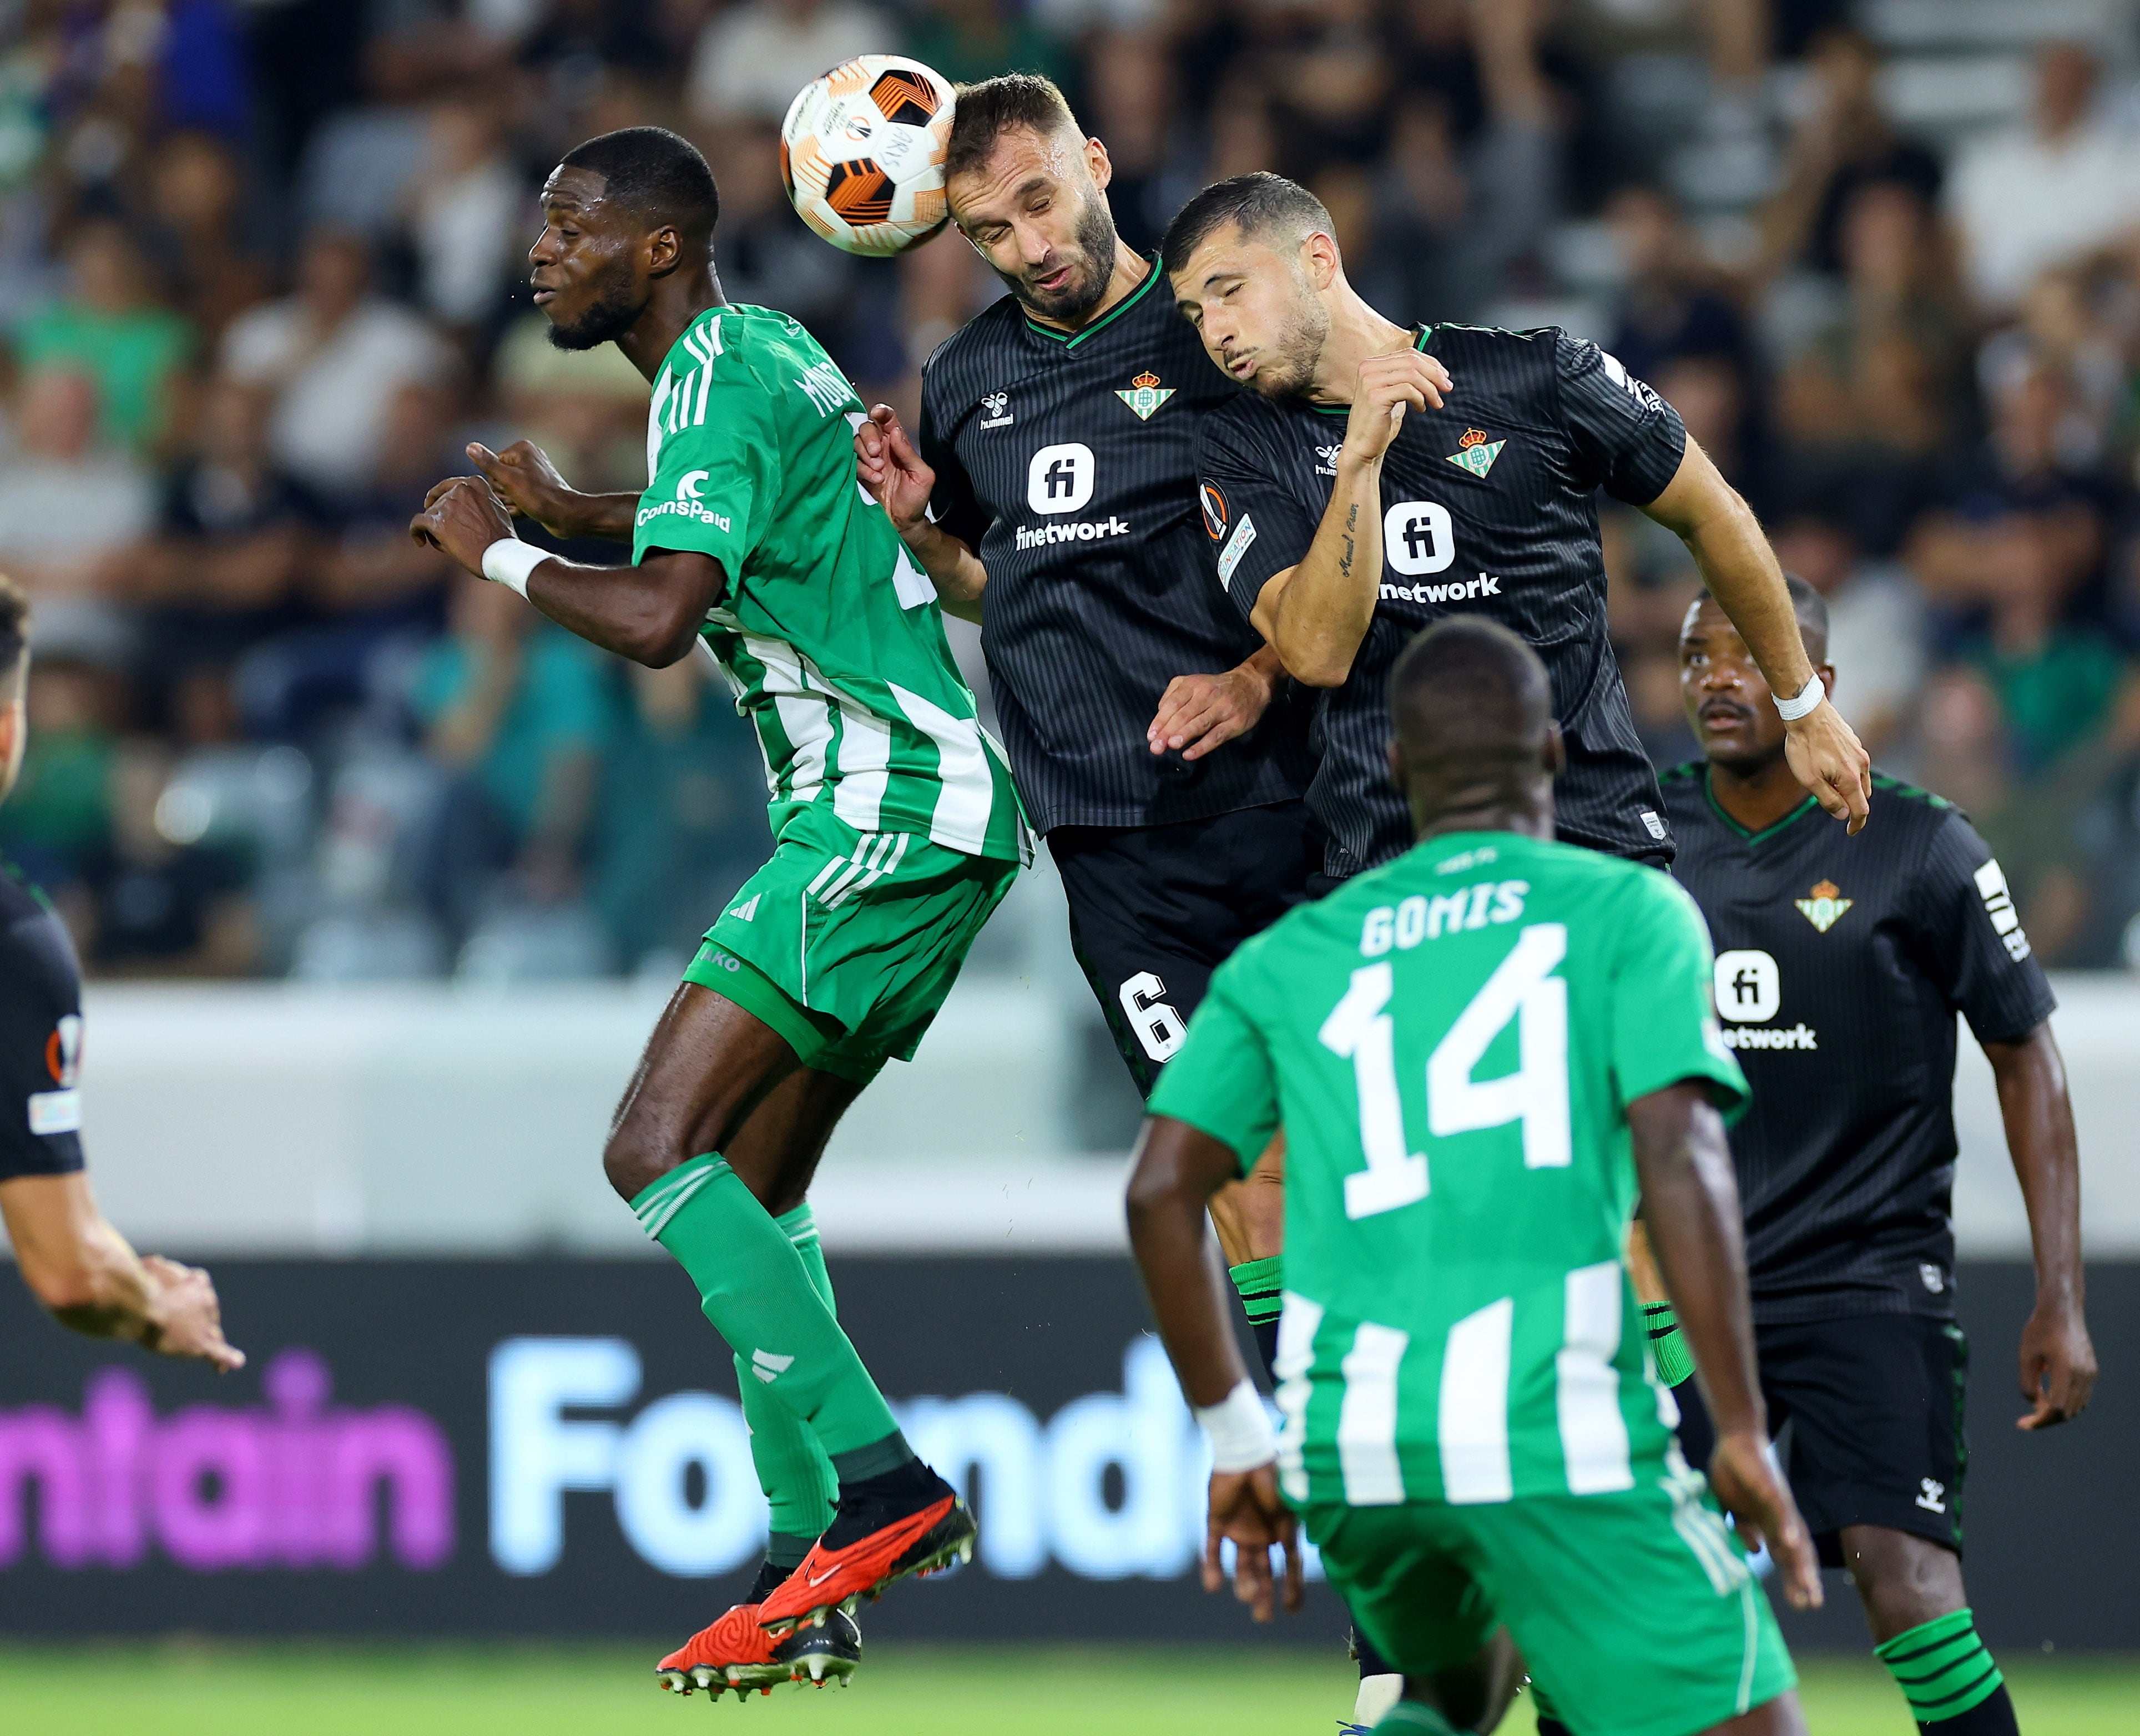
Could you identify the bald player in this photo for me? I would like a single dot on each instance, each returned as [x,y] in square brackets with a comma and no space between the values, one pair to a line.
[1474,1435]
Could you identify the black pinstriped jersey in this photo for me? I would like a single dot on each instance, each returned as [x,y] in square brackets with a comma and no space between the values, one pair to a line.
[1067,461]
[1488,506]
[1841,963]
[40,1035]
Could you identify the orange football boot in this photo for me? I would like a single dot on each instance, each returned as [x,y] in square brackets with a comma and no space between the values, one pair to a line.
[737,1652]
[884,1540]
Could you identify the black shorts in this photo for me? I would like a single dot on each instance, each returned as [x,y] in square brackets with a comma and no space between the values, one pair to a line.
[1874,1402]
[1155,909]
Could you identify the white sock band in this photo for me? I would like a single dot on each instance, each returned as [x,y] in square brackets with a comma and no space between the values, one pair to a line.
[1808,701]
[509,560]
[1240,1430]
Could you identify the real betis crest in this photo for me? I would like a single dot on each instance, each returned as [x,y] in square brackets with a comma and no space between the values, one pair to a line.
[1824,907]
[1475,452]
[1145,394]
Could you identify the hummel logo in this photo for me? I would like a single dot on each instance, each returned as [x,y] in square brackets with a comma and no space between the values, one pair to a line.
[746,911]
[1933,1499]
[995,410]
[769,1367]
[1326,459]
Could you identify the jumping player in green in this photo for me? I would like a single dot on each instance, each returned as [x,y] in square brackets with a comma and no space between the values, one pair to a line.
[896,832]
[1481,1051]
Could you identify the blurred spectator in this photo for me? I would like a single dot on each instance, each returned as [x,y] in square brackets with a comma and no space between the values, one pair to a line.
[196,203]
[1844,139]
[2062,183]
[373,595]
[111,328]
[67,511]
[682,791]
[220,571]
[514,711]
[969,40]
[57,824]
[468,209]
[753,58]
[167,907]
[334,354]
[1881,388]
[1673,304]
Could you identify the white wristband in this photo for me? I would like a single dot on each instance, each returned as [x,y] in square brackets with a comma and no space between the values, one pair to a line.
[1807,702]
[1240,1430]
[509,560]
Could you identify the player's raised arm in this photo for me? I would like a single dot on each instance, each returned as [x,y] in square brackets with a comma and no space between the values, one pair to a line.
[650,612]
[1177,1170]
[891,466]
[1740,570]
[1691,1203]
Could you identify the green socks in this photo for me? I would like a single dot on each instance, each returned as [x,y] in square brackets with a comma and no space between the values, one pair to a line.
[792,1469]
[756,1289]
[1262,1287]
[1674,1364]
[1942,1668]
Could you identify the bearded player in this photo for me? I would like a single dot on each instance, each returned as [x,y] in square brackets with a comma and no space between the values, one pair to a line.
[896,832]
[1842,965]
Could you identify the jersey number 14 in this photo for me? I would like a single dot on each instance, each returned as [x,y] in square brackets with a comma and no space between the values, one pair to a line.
[1522,988]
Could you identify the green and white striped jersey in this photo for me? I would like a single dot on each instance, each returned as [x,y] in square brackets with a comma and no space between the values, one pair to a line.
[829,633]
[1451,1042]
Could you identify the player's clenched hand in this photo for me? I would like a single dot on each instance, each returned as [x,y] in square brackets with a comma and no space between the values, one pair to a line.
[463,516]
[1199,713]
[1744,1472]
[887,464]
[1247,1512]
[1826,756]
[1389,385]
[2058,1366]
[528,482]
[186,1315]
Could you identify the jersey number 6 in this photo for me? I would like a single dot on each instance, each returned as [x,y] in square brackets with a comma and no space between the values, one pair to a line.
[1158,1026]
[1522,988]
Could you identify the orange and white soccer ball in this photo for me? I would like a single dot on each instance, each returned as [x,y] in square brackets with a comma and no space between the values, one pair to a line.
[861,152]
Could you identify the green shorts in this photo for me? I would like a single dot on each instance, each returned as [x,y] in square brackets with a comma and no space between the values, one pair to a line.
[1635,1611]
[846,942]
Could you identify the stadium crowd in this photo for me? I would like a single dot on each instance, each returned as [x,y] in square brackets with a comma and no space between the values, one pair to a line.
[261,280]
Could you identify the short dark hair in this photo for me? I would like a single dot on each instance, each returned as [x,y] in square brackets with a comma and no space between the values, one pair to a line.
[654,174]
[985,111]
[1469,686]
[1259,202]
[1811,608]
[14,629]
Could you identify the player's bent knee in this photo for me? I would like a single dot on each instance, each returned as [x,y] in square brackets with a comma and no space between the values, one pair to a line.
[633,1163]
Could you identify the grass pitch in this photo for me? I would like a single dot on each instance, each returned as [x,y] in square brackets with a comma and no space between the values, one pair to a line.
[176,1689]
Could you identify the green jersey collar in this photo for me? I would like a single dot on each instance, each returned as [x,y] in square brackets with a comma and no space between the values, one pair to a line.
[1070,340]
[1753,840]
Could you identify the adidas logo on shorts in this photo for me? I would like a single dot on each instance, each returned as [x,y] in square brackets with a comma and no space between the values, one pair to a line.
[840,878]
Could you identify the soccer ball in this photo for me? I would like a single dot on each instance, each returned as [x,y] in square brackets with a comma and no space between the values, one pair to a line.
[861,152]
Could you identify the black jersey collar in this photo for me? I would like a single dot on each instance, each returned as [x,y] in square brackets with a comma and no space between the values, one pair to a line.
[1070,340]
[1753,840]
[1418,343]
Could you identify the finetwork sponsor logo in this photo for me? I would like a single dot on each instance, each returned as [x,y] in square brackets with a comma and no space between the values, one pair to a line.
[1461,591]
[1754,1036]
[1085,530]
